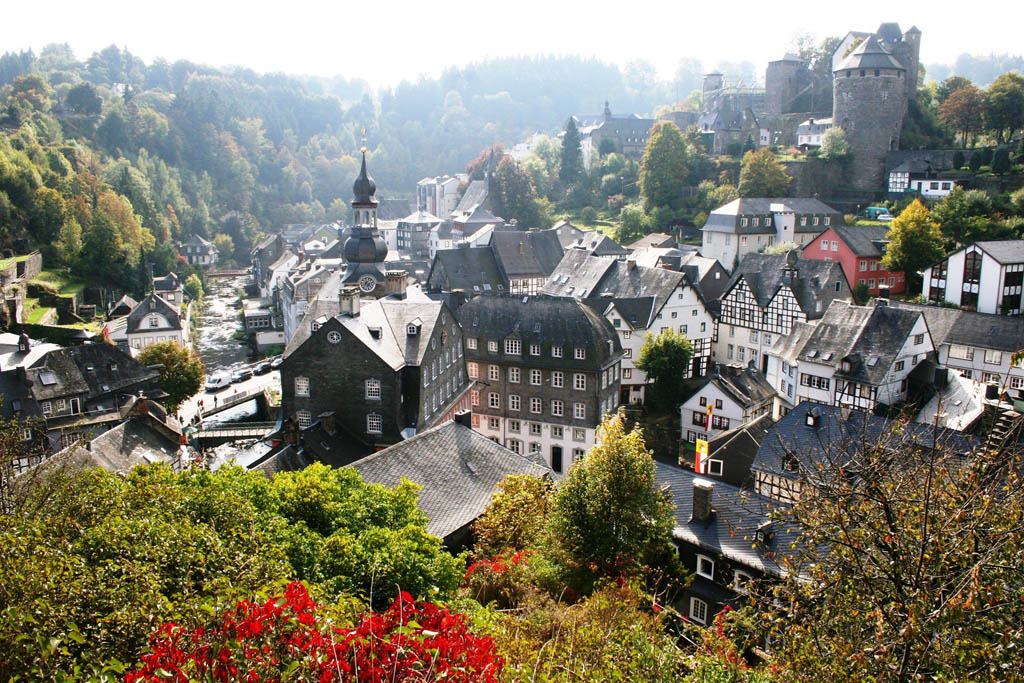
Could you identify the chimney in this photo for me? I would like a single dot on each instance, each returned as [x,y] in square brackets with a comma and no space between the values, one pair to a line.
[844,411]
[813,417]
[464,418]
[141,405]
[522,248]
[24,343]
[348,300]
[883,291]
[327,422]
[880,302]
[395,282]
[456,298]
[702,510]
[630,264]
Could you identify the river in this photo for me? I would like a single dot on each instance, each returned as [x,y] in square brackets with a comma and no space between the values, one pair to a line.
[215,343]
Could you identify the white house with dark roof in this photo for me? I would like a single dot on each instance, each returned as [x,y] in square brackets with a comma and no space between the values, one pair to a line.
[152,321]
[198,251]
[748,225]
[737,396]
[767,296]
[638,301]
[987,277]
[855,356]
[978,346]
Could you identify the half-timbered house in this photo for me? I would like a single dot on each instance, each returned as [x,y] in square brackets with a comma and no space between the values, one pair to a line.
[767,296]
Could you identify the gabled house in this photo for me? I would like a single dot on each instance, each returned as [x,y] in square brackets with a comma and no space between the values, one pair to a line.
[198,251]
[170,289]
[921,177]
[637,301]
[457,469]
[76,392]
[855,356]
[546,369]
[512,261]
[813,436]
[769,294]
[438,196]
[267,251]
[987,277]
[152,321]
[726,539]
[978,346]
[860,249]
[657,240]
[735,396]
[122,307]
[414,232]
[386,368]
[749,225]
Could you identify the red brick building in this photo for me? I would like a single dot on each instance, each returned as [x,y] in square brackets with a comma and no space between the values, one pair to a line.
[860,250]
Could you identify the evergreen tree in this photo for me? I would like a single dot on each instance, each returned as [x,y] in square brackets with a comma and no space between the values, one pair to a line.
[663,167]
[571,166]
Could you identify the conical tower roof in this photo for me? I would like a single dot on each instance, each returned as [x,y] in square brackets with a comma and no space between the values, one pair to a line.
[870,55]
[364,188]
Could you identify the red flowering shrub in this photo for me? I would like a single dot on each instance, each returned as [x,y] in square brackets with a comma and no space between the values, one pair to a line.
[411,641]
[504,580]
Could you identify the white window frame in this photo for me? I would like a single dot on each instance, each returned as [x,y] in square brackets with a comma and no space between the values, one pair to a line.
[372,389]
[710,573]
[699,611]
[302,387]
[579,381]
[374,423]
[579,410]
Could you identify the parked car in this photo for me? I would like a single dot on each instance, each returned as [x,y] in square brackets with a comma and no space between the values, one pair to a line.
[276,363]
[885,217]
[218,382]
[873,212]
[262,369]
[241,375]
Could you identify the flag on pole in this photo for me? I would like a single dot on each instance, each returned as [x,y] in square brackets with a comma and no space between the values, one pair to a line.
[707,425]
[702,456]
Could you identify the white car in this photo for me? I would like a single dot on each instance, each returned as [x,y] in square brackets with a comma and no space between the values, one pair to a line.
[885,217]
[218,382]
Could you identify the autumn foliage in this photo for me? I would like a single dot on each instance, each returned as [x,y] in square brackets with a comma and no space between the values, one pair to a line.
[287,636]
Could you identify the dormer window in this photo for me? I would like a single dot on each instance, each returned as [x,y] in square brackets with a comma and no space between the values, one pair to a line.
[412,330]
[375,332]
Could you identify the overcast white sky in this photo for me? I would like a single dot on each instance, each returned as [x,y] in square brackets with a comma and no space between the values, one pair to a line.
[386,41]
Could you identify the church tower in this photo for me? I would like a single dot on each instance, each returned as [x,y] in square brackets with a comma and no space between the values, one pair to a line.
[365,250]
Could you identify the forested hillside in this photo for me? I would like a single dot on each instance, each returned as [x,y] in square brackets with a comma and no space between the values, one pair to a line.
[111,160]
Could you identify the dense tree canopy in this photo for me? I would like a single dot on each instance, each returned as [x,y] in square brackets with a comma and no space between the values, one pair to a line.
[663,167]
[915,241]
[181,371]
[761,175]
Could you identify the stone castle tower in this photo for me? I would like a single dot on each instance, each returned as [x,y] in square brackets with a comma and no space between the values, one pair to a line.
[870,91]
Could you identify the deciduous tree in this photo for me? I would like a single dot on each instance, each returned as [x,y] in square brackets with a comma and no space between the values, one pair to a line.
[181,371]
[962,112]
[609,516]
[914,241]
[761,175]
[665,358]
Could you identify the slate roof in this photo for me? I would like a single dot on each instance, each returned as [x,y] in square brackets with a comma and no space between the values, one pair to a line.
[969,328]
[167,283]
[421,217]
[864,240]
[730,533]
[746,386]
[287,459]
[133,442]
[199,241]
[860,333]
[468,269]
[457,469]
[123,306]
[726,217]
[11,357]
[870,55]
[837,437]
[737,448]
[568,234]
[153,303]
[544,320]
[600,244]
[765,274]
[534,253]
[95,370]
[599,278]
[654,239]
[476,194]
[1004,251]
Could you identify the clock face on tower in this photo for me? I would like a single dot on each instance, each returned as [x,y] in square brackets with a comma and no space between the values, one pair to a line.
[367,283]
